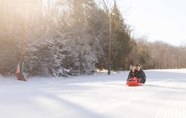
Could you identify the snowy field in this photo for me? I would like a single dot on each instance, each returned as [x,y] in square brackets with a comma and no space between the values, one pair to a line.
[95,96]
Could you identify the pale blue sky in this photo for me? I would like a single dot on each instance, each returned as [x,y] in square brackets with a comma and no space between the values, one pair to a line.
[163,20]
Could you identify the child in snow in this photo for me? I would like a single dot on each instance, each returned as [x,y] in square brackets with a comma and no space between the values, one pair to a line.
[132,71]
[139,73]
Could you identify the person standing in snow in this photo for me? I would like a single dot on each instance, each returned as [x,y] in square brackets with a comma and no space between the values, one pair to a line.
[139,73]
[131,73]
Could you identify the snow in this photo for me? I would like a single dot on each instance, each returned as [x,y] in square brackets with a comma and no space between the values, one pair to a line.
[95,96]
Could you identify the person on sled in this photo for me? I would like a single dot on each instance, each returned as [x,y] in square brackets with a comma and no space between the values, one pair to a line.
[139,73]
[131,72]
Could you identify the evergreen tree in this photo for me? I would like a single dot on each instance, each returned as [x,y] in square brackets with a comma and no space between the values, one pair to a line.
[120,40]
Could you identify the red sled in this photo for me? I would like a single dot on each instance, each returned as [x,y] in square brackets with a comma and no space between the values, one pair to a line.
[133,82]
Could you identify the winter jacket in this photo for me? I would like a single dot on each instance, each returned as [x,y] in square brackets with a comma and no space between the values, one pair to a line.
[140,74]
[131,74]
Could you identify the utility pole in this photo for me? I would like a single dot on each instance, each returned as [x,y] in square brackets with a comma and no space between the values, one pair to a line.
[21,76]
[165,61]
[179,61]
[146,50]
[172,62]
[109,43]
[129,44]
[159,58]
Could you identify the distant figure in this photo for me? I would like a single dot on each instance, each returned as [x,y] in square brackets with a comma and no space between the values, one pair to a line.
[139,73]
[132,71]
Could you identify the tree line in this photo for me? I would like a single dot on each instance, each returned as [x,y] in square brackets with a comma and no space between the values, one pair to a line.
[159,55]
[70,37]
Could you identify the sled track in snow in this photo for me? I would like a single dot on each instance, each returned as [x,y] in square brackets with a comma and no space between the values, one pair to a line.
[170,107]
[166,100]
[100,96]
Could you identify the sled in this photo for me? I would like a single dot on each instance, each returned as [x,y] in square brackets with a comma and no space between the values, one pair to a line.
[133,82]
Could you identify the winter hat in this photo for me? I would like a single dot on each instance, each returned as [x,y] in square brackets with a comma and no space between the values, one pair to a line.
[138,64]
[131,66]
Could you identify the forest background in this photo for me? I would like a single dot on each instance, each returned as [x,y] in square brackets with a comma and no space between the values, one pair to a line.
[71,37]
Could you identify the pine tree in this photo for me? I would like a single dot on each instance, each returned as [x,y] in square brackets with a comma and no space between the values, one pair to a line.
[120,40]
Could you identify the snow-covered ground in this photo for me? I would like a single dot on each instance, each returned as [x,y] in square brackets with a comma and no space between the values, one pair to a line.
[95,96]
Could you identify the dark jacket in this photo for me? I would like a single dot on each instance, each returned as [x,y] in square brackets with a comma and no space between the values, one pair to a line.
[140,74]
[131,74]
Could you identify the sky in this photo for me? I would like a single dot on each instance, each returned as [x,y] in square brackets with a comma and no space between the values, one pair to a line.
[159,20]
